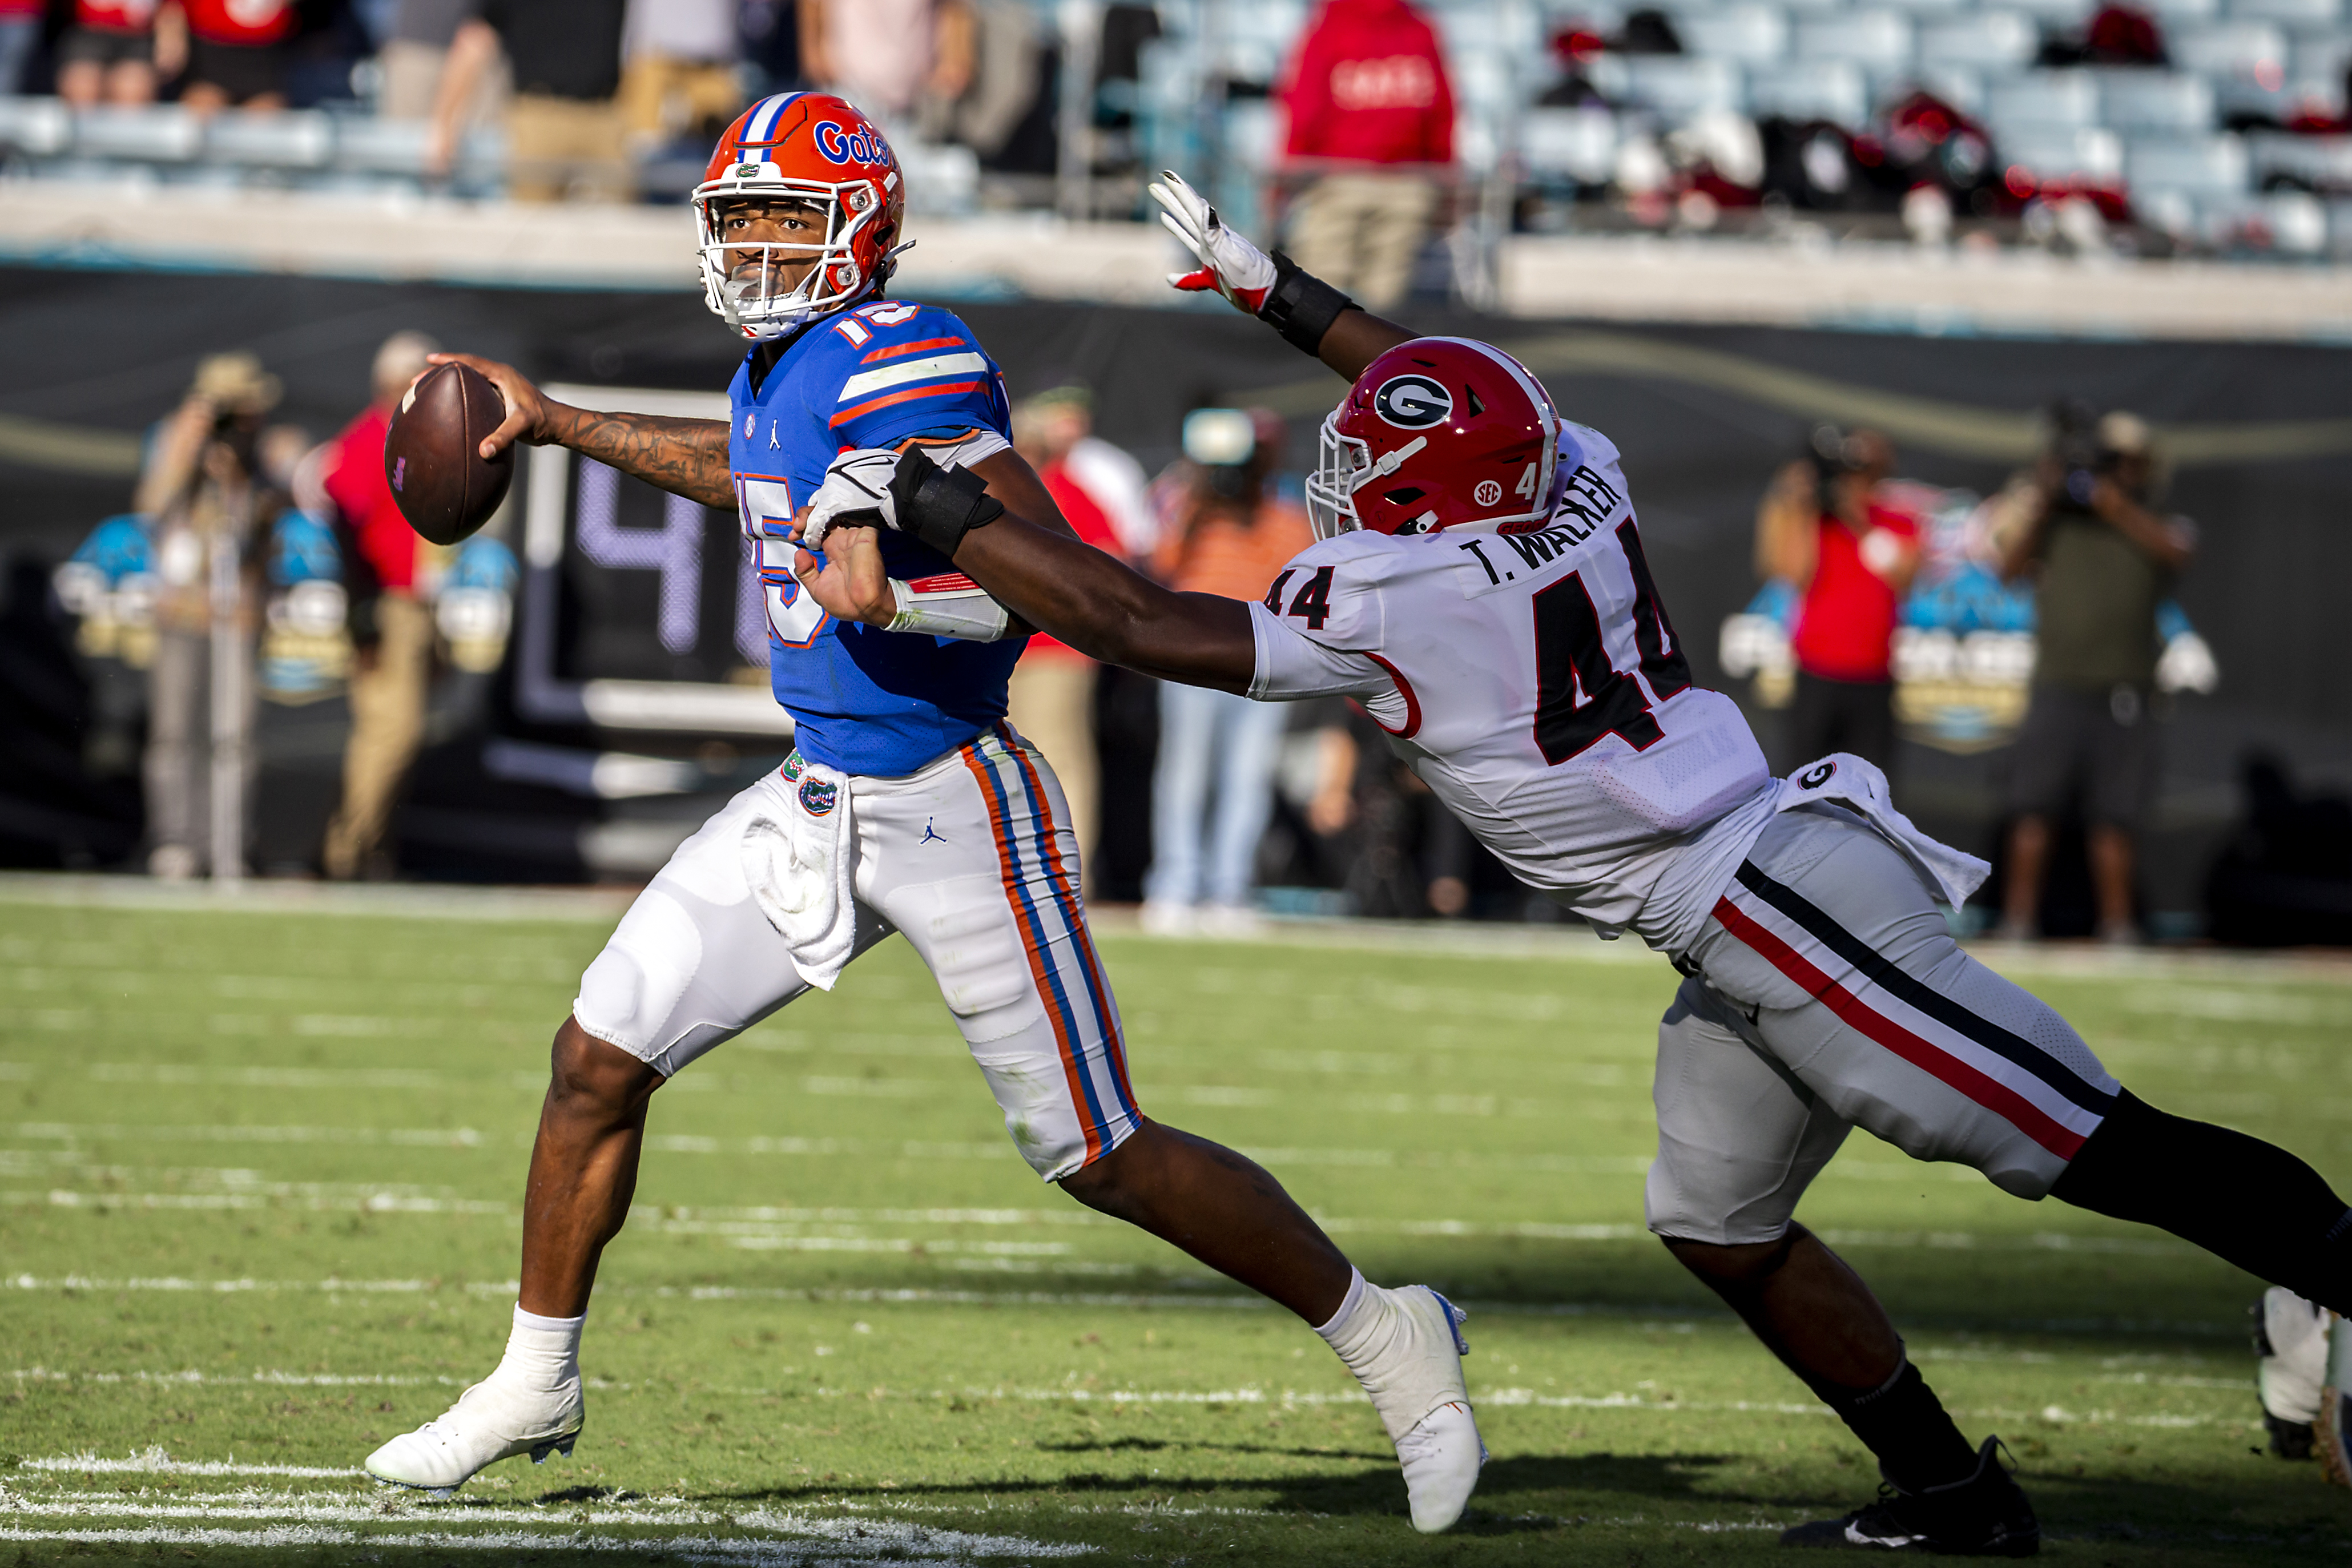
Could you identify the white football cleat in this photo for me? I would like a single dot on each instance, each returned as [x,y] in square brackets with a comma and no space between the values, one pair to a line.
[1441,1458]
[2291,1338]
[1406,1348]
[488,1423]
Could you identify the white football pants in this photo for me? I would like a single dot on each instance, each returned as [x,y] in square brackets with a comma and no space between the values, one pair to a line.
[973,858]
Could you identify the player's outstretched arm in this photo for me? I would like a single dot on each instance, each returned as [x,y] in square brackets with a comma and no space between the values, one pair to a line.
[1059,585]
[684,457]
[1312,316]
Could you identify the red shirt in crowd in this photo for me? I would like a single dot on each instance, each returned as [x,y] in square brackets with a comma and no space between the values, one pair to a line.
[243,23]
[1090,522]
[1369,85]
[1845,624]
[115,16]
[356,484]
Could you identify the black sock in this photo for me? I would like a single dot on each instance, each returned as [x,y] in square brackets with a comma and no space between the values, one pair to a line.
[1905,1424]
[2245,1201]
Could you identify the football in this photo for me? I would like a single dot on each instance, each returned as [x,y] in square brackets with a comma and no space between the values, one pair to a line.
[432,454]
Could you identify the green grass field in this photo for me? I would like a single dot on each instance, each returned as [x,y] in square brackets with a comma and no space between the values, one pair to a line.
[258,1175]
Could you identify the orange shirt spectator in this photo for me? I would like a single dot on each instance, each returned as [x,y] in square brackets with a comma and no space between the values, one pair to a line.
[1221,553]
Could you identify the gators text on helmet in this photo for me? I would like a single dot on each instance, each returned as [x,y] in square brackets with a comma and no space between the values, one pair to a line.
[820,156]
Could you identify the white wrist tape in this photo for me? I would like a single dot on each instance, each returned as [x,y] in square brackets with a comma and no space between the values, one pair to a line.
[949,605]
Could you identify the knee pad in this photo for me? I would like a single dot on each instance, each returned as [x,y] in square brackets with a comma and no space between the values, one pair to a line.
[630,993]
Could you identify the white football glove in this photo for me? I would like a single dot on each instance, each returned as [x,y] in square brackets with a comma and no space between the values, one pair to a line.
[856,481]
[1229,263]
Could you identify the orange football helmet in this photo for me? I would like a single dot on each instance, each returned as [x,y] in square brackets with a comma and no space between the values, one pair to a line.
[812,148]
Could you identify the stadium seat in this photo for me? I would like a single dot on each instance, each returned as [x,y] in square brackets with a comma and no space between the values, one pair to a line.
[37,126]
[1579,144]
[2055,14]
[1676,87]
[1962,87]
[1258,38]
[1993,40]
[2160,103]
[2291,12]
[2062,154]
[2322,163]
[1833,90]
[2196,167]
[1876,40]
[2231,49]
[1747,35]
[2045,100]
[161,135]
[1924,8]
[370,145]
[294,138]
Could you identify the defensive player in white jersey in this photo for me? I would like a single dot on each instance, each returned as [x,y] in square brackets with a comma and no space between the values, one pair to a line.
[1481,589]
[908,806]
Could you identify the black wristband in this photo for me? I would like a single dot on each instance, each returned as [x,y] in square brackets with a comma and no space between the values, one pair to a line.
[1301,306]
[939,505]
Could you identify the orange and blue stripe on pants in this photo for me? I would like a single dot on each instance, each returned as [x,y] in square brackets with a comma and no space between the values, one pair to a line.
[1041,885]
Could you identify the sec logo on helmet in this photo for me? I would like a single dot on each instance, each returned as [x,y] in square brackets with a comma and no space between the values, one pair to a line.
[1413,402]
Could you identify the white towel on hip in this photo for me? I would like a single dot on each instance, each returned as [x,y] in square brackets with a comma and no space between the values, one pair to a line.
[1851,781]
[800,858]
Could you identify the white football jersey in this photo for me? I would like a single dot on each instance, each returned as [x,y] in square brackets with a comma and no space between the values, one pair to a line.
[1535,683]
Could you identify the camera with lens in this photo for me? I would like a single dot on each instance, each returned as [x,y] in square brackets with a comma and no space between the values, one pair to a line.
[2083,457]
[1834,453]
[1222,442]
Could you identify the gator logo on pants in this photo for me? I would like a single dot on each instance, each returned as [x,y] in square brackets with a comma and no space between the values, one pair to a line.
[817,797]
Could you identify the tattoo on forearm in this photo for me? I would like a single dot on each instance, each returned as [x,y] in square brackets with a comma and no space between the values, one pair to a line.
[684,457]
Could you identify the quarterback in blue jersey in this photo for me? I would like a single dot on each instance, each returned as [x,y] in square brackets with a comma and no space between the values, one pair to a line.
[907,807]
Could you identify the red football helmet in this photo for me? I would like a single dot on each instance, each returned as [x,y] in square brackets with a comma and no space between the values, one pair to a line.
[806,146]
[1435,434]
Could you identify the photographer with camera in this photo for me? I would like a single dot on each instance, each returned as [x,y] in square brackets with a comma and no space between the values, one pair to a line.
[2103,560]
[1821,529]
[204,485]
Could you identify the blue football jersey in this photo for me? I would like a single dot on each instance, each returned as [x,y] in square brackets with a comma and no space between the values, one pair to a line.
[863,699]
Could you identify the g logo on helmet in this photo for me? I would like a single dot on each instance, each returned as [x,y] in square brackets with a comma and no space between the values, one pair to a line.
[1488,493]
[848,146]
[1413,402]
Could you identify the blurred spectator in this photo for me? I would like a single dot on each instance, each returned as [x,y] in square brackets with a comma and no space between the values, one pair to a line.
[1006,77]
[563,129]
[888,56]
[392,629]
[237,54]
[1053,693]
[202,487]
[2103,562]
[20,40]
[108,55]
[1371,115]
[1822,530]
[771,45]
[678,77]
[1224,532]
[2115,36]
[417,51]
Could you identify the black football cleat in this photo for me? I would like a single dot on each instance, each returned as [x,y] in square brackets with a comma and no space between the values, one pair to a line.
[1986,1515]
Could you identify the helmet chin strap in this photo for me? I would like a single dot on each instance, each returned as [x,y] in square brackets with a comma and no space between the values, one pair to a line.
[1388,464]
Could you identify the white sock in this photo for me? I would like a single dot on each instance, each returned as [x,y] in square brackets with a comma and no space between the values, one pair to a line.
[543,1354]
[1336,1327]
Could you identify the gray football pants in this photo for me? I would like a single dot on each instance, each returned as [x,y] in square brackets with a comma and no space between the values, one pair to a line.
[1829,994]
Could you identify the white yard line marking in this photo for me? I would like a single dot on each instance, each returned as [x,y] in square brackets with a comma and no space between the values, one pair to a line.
[431,1137]
[863,1539]
[306,1379]
[154,1461]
